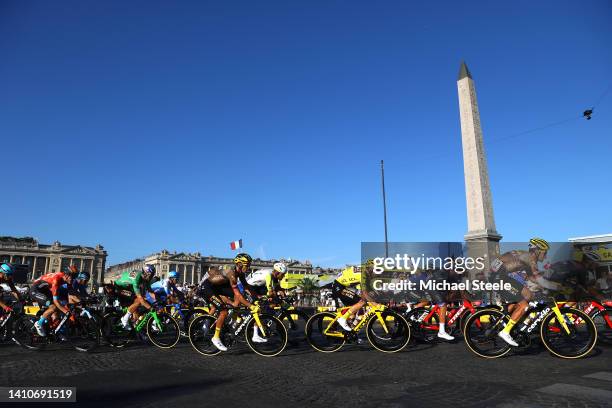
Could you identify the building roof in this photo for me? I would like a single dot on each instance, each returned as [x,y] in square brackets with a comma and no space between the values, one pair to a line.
[592,238]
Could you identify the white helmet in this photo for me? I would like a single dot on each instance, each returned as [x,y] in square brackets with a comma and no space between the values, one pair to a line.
[280,267]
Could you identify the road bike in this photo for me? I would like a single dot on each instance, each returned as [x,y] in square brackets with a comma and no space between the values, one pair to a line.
[565,331]
[425,320]
[601,313]
[7,319]
[156,326]
[385,329]
[78,328]
[294,319]
[239,324]
[185,313]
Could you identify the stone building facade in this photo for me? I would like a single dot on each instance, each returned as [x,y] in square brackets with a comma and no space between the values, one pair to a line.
[192,267]
[40,259]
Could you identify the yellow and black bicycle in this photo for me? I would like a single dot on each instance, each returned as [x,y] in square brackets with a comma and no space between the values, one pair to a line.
[386,330]
[566,332]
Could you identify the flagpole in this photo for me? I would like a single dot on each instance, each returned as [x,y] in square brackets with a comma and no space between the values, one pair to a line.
[382,173]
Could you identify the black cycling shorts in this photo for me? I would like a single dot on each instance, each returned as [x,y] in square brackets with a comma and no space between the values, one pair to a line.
[517,281]
[125,297]
[212,292]
[41,294]
[346,295]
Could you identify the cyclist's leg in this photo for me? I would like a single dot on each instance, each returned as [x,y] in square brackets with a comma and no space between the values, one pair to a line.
[213,294]
[348,298]
[517,312]
[439,298]
[41,294]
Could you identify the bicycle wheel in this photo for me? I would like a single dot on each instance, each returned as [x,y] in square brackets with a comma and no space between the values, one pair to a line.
[481,333]
[274,332]
[295,323]
[83,333]
[316,328]
[164,334]
[25,334]
[201,332]
[391,334]
[603,324]
[112,330]
[578,342]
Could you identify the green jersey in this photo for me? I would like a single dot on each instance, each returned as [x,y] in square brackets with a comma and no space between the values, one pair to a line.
[131,281]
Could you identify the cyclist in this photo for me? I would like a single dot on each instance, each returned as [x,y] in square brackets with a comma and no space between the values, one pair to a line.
[573,278]
[345,289]
[46,292]
[220,287]
[266,282]
[6,276]
[520,269]
[77,289]
[166,288]
[439,297]
[133,285]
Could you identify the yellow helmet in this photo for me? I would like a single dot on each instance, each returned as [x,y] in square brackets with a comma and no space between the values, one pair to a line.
[539,243]
[243,259]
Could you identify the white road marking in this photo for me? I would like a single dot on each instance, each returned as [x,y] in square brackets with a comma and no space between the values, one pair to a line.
[602,375]
[577,391]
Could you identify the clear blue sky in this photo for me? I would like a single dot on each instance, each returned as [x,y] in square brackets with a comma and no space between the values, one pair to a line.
[145,125]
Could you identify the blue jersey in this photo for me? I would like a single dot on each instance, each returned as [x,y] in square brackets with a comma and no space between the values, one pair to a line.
[168,288]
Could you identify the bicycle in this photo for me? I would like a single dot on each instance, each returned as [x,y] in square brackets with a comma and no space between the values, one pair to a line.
[159,327]
[425,320]
[79,328]
[238,321]
[602,317]
[293,318]
[7,319]
[386,330]
[185,313]
[566,332]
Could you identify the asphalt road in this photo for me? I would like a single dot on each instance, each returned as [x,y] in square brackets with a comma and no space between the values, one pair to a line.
[438,375]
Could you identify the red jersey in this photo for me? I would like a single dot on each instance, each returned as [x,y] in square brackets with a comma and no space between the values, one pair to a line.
[55,280]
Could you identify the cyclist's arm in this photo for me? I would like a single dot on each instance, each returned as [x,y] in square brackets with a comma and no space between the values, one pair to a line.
[172,290]
[138,293]
[270,285]
[238,298]
[13,288]
[56,302]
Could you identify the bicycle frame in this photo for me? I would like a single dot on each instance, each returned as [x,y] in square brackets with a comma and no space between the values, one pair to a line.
[452,314]
[151,314]
[596,305]
[370,312]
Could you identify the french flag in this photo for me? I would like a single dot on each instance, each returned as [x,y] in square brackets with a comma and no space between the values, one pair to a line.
[236,244]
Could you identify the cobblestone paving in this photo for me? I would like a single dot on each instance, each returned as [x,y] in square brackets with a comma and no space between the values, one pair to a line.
[440,375]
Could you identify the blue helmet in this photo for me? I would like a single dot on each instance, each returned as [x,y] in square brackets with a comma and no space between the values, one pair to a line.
[7,268]
[173,274]
[83,276]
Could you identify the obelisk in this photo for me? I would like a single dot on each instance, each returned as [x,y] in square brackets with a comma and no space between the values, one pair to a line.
[482,235]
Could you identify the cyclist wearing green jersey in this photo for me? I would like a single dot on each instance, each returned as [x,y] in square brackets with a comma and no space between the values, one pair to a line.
[137,283]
